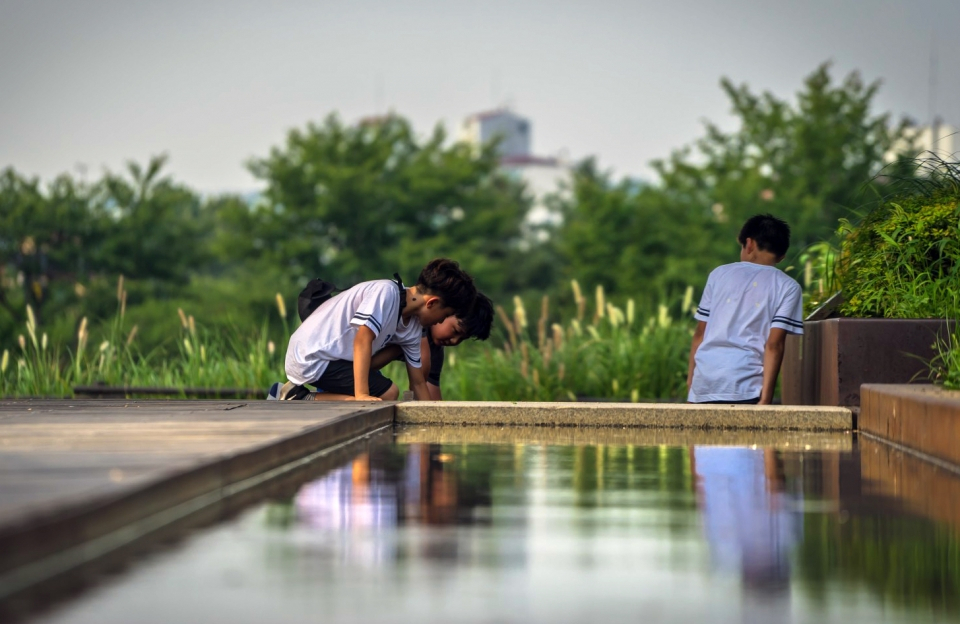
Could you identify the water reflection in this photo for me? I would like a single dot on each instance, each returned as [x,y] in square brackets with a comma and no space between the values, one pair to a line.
[390,487]
[777,522]
[751,522]
[547,531]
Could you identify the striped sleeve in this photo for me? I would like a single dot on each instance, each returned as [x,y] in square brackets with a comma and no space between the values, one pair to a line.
[379,299]
[789,314]
[703,308]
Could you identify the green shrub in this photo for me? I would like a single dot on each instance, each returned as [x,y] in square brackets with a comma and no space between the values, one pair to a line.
[903,259]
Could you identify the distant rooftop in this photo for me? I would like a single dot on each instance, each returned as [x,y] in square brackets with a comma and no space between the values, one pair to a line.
[496,112]
[528,159]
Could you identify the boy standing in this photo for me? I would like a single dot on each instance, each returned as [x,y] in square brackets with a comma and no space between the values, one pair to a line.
[332,348]
[746,312]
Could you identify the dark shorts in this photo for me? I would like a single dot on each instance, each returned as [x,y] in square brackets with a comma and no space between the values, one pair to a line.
[743,402]
[338,379]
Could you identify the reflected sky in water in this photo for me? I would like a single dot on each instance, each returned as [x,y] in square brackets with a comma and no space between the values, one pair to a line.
[541,533]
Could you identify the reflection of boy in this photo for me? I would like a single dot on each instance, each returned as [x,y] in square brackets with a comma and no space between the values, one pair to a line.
[332,349]
[449,333]
[747,309]
[751,524]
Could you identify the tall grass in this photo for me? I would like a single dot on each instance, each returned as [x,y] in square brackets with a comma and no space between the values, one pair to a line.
[945,366]
[604,352]
[242,359]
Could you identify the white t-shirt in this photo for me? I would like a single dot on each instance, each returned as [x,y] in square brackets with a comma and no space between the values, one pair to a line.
[329,332]
[741,303]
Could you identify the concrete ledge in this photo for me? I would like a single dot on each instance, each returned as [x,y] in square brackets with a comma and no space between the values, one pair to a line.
[924,418]
[919,487]
[625,436]
[658,415]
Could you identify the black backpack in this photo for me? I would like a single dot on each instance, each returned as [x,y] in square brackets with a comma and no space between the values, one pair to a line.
[315,293]
[319,290]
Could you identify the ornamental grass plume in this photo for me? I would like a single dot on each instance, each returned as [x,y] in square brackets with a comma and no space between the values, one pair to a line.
[663,316]
[520,313]
[4,361]
[183,318]
[578,299]
[687,303]
[32,326]
[505,318]
[542,322]
[82,335]
[281,306]
[131,336]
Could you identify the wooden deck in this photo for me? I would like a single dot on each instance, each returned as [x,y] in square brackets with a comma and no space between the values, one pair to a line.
[83,478]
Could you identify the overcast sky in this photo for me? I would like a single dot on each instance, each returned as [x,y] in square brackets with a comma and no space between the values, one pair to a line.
[94,83]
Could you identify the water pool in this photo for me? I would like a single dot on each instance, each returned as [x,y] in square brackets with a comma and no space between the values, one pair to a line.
[468,525]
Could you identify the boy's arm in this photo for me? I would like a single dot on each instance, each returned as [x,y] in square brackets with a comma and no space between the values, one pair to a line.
[362,350]
[772,358]
[385,355]
[694,345]
[426,358]
[417,383]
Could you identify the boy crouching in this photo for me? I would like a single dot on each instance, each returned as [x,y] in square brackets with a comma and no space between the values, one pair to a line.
[331,350]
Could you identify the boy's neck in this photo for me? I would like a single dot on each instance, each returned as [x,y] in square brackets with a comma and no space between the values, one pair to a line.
[768,261]
[751,252]
[414,301]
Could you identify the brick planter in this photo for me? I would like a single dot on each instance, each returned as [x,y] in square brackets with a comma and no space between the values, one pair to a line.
[828,364]
[924,418]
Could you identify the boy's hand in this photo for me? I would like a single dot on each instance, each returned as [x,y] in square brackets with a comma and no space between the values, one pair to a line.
[364,397]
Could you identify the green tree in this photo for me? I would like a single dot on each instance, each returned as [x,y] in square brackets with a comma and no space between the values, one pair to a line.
[152,226]
[356,202]
[807,161]
[45,238]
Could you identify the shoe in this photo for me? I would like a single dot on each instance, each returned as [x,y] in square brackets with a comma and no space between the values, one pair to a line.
[273,394]
[292,392]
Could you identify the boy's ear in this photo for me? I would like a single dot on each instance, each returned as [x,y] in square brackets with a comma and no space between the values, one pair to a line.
[431,301]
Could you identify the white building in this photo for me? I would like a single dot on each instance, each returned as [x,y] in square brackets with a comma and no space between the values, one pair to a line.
[542,176]
[512,130]
[939,138]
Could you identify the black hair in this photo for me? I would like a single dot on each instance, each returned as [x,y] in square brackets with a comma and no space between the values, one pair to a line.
[478,322]
[770,233]
[445,279]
